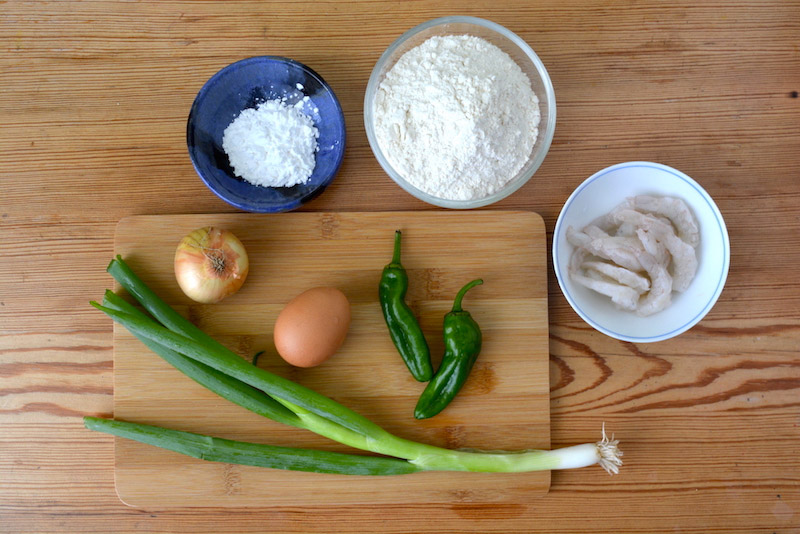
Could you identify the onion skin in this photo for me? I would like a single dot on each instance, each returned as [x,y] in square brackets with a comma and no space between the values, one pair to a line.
[210,264]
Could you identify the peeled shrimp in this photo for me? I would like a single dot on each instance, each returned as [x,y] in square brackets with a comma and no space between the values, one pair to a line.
[623,296]
[660,294]
[684,259]
[626,277]
[576,238]
[638,253]
[595,232]
[675,210]
[653,246]
[625,230]
[606,222]
[621,251]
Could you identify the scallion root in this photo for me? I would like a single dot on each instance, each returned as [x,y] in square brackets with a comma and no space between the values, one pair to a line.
[610,455]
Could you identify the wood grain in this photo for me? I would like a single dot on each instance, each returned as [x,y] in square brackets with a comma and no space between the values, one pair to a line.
[94,100]
[504,404]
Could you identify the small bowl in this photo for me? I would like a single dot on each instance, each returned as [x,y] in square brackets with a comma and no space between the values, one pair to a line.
[246,84]
[601,193]
[511,44]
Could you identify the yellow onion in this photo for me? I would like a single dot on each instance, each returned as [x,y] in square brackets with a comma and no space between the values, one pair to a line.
[210,264]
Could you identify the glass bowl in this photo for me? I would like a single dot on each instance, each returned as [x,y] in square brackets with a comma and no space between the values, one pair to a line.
[508,42]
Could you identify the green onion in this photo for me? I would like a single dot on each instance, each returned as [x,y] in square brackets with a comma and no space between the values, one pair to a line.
[239,452]
[341,419]
[231,363]
[223,385]
[235,390]
[318,413]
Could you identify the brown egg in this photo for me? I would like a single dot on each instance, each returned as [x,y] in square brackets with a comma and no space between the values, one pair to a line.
[312,326]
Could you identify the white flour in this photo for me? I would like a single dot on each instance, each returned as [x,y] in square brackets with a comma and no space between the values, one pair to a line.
[457,117]
[272,145]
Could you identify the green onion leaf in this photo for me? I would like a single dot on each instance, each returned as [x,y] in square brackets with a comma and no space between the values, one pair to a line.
[243,453]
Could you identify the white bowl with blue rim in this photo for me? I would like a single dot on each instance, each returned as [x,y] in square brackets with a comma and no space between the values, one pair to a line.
[601,193]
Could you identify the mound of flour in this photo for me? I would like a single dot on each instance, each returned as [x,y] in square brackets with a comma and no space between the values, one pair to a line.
[457,117]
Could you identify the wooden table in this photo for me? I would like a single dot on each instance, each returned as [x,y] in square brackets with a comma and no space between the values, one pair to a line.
[94,100]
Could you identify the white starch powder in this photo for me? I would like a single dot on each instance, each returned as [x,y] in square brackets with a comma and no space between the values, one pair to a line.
[456,117]
[273,145]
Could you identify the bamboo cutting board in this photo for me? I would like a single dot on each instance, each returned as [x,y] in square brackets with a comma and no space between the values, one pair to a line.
[504,405]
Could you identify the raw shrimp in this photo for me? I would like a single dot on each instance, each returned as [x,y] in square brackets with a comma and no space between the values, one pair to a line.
[660,294]
[606,222]
[675,210]
[621,251]
[626,277]
[684,259]
[579,255]
[577,238]
[638,253]
[623,296]
[595,232]
[626,230]
[653,246]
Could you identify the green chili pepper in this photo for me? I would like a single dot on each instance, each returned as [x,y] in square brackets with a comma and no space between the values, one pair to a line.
[403,326]
[462,343]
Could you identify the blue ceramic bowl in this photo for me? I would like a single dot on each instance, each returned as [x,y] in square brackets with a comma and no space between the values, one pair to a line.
[246,84]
